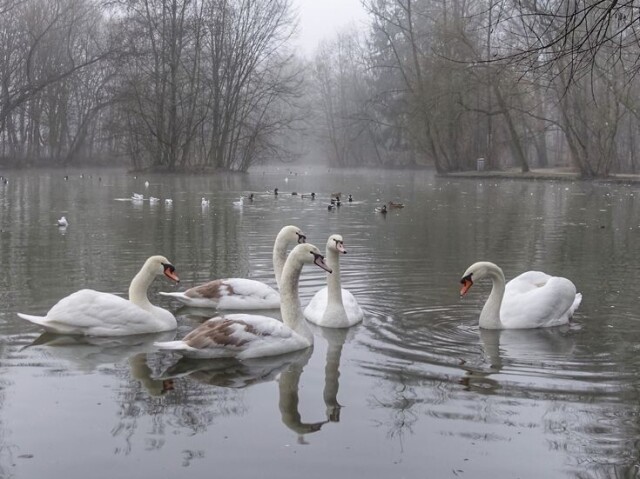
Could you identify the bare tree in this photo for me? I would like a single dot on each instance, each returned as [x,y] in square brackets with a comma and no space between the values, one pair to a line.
[44,46]
[249,81]
[207,82]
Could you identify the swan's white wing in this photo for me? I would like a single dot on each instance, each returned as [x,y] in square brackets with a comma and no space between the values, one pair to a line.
[317,306]
[94,313]
[528,281]
[232,293]
[351,306]
[535,299]
[248,294]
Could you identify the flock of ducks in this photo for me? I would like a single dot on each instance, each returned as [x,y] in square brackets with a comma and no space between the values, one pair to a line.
[335,200]
[531,300]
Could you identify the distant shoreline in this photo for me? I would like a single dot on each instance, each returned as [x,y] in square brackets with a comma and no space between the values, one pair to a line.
[559,174]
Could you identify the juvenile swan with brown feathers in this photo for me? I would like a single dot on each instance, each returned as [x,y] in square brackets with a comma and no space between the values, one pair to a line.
[251,336]
[241,293]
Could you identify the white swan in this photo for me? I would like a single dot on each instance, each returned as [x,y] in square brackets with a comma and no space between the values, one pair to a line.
[240,202]
[93,313]
[153,200]
[168,201]
[204,202]
[241,293]
[137,197]
[531,300]
[62,222]
[251,336]
[332,306]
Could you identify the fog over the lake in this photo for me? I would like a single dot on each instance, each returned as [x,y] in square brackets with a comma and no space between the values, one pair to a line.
[210,85]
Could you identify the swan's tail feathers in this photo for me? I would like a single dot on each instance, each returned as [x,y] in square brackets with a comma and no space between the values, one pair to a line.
[173,346]
[183,298]
[41,320]
[576,303]
[172,295]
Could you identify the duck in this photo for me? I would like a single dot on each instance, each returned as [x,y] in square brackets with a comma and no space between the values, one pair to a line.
[395,205]
[350,199]
[246,336]
[204,202]
[381,209]
[333,306]
[62,222]
[242,293]
[531,300]
[93,313]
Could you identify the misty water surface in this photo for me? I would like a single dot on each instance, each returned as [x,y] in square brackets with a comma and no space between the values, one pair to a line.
[415,391]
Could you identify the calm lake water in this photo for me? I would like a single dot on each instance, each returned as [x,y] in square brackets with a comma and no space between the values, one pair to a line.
[416,391]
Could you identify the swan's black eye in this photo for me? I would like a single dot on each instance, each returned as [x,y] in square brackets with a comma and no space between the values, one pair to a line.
[301,237]
[316,255]
[466,278]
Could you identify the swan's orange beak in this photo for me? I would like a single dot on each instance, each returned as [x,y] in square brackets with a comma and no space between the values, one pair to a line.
[466,284]
[170,272]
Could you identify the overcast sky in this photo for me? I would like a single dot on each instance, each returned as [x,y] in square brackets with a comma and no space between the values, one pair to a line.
[321,19]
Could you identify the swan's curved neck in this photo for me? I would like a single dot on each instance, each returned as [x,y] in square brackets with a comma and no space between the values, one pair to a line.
[279,257]
[289,299]
[334,288]
[490,315]
[138,289]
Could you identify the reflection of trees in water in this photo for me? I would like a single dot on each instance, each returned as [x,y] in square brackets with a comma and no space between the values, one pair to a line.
[6,450]
[527,380]
[140,395]
[401,402]
[168,404]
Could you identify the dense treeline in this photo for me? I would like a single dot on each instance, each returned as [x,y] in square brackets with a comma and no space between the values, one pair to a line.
[531,84]
[157,83]
[184,84]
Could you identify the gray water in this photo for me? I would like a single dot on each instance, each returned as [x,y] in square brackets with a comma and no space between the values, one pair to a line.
[415,391]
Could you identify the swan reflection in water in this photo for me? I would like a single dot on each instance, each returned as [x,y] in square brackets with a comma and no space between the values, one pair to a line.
[286,369]
[517,349]
[336,339]
[88,353]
